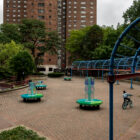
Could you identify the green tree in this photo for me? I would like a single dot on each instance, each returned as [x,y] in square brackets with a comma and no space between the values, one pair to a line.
[9,32]
[22,64]
[35,38]
[33,34]
[82,43]
[132,12]
[74,43]
[102,52]
[7,51]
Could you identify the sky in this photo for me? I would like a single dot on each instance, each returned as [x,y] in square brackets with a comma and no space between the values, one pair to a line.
[109,12]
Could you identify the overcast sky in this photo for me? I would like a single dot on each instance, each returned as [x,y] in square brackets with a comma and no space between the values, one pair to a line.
[109,12]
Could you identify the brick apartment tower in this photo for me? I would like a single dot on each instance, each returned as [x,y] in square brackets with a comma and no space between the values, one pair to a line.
[59,15]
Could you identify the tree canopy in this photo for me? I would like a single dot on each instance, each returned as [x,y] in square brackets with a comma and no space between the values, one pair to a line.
[9,32]
[7,51]
[83,42]
[132,12]
[22,64]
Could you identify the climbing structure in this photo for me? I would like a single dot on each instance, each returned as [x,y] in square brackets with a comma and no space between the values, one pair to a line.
[132,35]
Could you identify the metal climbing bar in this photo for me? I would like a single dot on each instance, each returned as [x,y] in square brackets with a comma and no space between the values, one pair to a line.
[119,55]
[132,38]
[112,77]
[137,28]
[127,47]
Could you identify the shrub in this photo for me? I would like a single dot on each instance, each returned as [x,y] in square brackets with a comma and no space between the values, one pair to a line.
[55,74]
[38,73]
[22,64]
[20,133]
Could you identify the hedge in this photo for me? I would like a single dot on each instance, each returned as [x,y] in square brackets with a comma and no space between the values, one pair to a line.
[55,74]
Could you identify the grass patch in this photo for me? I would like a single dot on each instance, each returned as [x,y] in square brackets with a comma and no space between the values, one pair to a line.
[20,133]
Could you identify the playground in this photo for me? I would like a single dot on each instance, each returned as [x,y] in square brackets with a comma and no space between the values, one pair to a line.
[58,116]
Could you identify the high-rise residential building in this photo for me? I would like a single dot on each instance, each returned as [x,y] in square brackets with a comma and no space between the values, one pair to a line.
[60,15]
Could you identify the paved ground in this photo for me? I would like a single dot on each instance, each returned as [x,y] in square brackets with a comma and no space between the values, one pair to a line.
[58,116]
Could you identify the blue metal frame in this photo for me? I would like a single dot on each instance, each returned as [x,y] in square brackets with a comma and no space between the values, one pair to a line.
[133,65]
[111,73]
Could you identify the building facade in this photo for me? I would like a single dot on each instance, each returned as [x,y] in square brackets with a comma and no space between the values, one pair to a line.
[60,15]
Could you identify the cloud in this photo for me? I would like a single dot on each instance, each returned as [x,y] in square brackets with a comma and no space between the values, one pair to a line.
[110,12]
[1,11]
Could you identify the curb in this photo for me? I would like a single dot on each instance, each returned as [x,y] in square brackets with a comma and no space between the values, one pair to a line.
[14,89]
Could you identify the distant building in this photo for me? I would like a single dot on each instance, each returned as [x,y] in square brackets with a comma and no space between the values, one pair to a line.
[59,15]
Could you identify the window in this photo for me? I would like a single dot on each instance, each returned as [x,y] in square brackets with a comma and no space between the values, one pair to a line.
[14,11]
[91,3]
[83,7]
[14,15]
[83,21]
[18,11]
[50,4]
[40,10]
[50,69]
[50,16]
[83,2]
[41,17]
[41,4]
[83,25]
[83,16]
[83,12]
